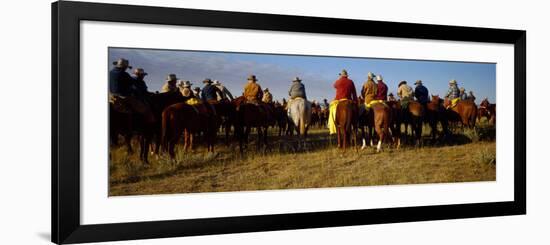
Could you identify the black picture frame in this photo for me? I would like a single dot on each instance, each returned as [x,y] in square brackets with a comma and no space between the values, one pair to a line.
[66,17]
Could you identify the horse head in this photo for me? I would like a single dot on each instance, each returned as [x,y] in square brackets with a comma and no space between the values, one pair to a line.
[484,103]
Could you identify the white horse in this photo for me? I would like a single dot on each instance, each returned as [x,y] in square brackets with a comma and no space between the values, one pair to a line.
[299,112]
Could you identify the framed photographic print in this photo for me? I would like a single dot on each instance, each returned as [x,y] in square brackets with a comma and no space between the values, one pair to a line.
[176,122]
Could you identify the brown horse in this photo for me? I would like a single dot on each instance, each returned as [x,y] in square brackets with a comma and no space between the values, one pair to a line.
[487,110]
[346,116]
[396,120]
[252,115]
[435,113]
[465,111]
[181,118]
[382,121]
[130,125]
[281,117]
[414,115]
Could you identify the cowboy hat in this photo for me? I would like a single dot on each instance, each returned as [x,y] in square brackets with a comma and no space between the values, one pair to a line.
[120,63]
[216,82]
[462,89]
[370,75]
[379,78]
[207,80]
[418,82]
[140,71]
[252,77]
[266,89]
[343,73]
[401,83]
[297,79]
[452,82]
[185,84]
[171,77]
[391,94]
[197,88]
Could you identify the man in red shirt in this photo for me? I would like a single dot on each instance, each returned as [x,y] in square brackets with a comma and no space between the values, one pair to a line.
[345,88]
[382,91]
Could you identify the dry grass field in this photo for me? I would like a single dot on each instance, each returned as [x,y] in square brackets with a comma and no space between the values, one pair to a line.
[285,166]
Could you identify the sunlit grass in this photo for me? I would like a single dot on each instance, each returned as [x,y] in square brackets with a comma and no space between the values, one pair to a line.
[285,165]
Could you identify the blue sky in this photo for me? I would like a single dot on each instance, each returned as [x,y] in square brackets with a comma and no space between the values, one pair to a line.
[318,73]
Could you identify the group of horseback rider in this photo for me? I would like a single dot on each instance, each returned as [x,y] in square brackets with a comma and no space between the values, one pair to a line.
[375,90]
[129,93]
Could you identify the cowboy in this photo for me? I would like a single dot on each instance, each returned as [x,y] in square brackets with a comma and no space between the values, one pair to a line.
[325,104]
[252,90]
[187,93]
[268,97]
[463,95]
[185,89]
[381,89]
[421,93]
[120,81]
[170,84]
[391,97]
[122,95]
[471,96]
[225,94]
[369,89]
[453,91]
[405,92]
[197,92]
[139,85]
[297,89]
[345,88]
[209,92]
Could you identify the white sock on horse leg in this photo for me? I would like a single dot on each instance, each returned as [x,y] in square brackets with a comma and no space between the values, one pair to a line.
[364,144]
[379,146]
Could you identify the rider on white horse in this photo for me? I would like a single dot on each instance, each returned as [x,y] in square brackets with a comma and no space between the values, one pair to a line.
[299,109]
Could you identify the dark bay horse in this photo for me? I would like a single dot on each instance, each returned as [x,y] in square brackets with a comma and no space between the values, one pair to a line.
[281,117]
[435,113]
[133,124]
[252,115]
[465,111]
[396,120]
[346,122]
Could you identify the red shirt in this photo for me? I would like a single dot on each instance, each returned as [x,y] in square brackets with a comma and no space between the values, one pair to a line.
[345,89]
[381,91]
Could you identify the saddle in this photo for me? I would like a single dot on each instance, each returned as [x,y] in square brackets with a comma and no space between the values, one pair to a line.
[375,102]
[453,103]
[405,103]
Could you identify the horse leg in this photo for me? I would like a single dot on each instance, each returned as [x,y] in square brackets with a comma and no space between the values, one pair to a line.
[338,131]
[171,146]
[379,146]
[265,136]
[145,142]
[259,132]
[364,138]
[128,141]
[345,138]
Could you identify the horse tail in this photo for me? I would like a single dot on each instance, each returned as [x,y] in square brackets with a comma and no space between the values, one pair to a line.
[473,116]
[301,119]
[305,116]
